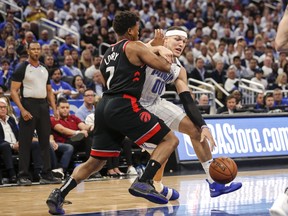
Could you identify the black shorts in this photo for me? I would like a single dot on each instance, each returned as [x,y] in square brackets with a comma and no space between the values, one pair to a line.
[120,116]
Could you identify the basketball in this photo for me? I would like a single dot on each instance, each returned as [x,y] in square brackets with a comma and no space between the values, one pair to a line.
[223,170]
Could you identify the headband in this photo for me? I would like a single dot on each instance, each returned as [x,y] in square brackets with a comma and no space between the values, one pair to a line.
[176,33]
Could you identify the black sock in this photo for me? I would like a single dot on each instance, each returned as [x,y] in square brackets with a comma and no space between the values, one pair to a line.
[68,186]
[150,170]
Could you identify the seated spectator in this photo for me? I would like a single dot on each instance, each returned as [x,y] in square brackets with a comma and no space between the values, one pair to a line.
[259,79]
[203,100]
[5,73]
[231,82]
[11,55]
[69,23]
[61,154]
[259,101]
[88,105]
[280,82]
[269,103]
[68,69]
[70,129]
[199,72]
[89,72]
[86,60]
[59,87]
[67,45]
[97,84]
[44,39]
[230,106]
[278,98]
[8,140]
[79,86]
[238,96]
[88,37]
[113,167]
[241,71]
[267,66]
[33,11]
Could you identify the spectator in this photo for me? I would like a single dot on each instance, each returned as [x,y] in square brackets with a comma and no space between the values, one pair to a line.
[230,106]
[88,105]
[88,37]
[86,60]
[79,86]
[67,45]
[259,79]
[221,56]
[8,140]
[97,85]
[267,66]
[203,100]
[44,38]
[259,101]
[278,98]
[231,82]
[280,82]
[5,73]
[59,87]
[36,92]
[68,69]
[241,71]
[269,102]
[68,24]
[70,129]
[89,72]
[199,72]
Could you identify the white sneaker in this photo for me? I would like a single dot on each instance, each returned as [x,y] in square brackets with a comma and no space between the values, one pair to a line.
[58,173]
[280,206]
[132,171]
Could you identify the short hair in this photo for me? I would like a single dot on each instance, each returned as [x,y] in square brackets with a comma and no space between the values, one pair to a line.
[61,100]
[123,21]
[32,42]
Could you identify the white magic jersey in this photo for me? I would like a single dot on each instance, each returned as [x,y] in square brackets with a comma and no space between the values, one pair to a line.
[155,82]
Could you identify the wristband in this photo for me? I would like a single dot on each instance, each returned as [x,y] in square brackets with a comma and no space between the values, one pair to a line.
[77,132]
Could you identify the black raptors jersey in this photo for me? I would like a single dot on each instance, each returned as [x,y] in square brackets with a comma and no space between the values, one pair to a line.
[120,75]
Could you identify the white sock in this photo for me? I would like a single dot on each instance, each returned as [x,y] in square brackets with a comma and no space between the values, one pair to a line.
[206,166]
[158,186]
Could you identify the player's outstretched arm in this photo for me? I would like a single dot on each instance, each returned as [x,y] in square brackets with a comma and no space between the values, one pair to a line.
[281,40]
[191,109]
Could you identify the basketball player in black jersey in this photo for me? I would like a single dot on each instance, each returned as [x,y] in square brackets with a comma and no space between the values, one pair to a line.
[119,113]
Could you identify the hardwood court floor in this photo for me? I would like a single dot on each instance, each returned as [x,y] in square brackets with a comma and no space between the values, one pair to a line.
[110,197]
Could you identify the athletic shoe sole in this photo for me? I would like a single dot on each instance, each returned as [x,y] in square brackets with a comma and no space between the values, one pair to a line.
[53,208]
[149,196]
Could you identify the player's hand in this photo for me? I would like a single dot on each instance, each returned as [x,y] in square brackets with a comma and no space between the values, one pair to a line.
[158,37]
[26,115]
[206,134]
[166,54]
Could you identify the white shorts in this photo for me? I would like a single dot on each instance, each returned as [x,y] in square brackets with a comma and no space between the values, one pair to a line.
[170,113]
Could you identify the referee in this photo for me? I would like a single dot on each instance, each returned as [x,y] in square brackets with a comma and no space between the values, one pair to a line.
[32,79]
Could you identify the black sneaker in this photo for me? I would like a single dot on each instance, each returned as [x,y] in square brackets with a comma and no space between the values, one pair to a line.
[147,191]
[49,179]
[23,181]
[55,202]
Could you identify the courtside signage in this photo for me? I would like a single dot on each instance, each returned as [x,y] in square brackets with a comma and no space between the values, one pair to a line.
[242,137]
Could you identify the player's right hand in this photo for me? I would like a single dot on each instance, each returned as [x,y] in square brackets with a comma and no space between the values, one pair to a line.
[26,115]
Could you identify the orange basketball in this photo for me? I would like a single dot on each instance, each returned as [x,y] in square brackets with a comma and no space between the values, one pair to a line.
[223,170]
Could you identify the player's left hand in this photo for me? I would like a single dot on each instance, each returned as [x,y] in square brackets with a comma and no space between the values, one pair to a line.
[206,134]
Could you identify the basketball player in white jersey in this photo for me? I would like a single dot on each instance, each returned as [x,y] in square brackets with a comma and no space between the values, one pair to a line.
[189,122]
[280,205]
